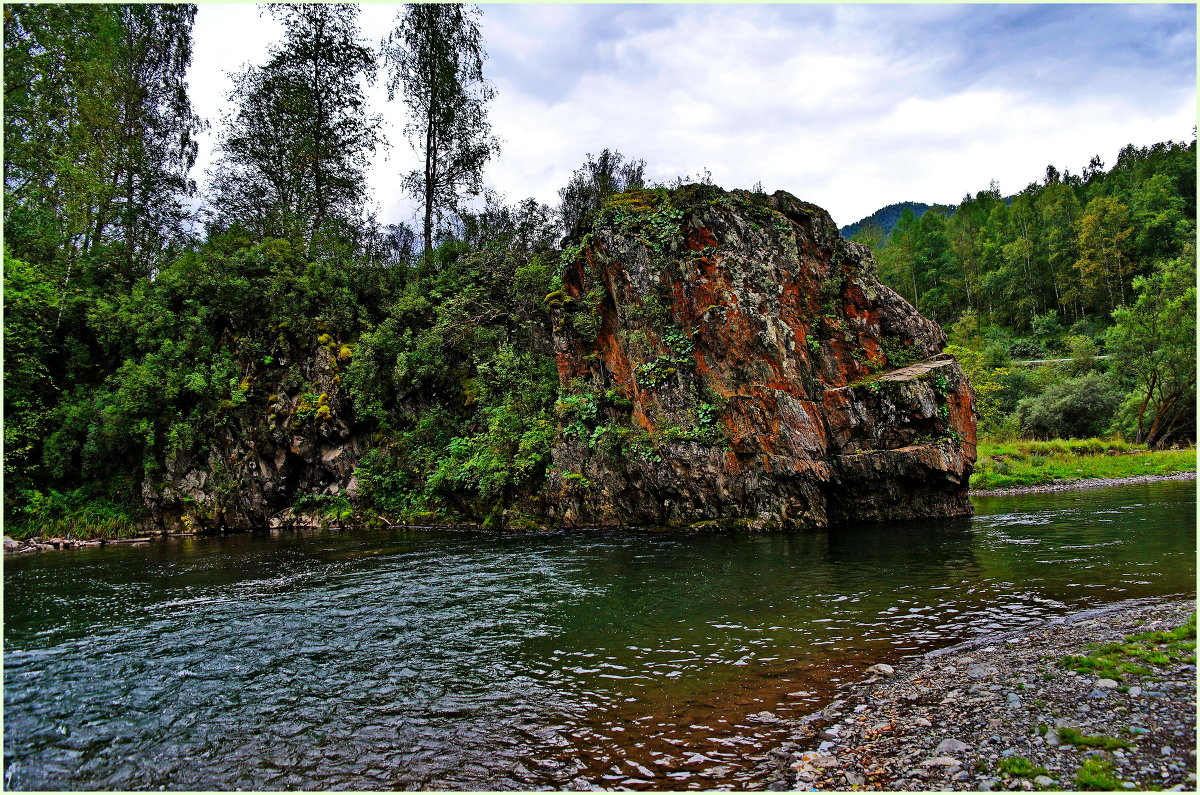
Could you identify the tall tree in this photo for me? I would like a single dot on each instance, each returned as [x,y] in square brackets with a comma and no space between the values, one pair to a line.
[1153,343]
[1105,238]
[436,54]
[295,151]
[99,131]
[1059,209]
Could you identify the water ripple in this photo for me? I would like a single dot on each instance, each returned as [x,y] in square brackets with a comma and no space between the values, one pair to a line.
[421,658]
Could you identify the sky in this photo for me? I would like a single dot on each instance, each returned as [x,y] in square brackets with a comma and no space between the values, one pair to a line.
[850,107]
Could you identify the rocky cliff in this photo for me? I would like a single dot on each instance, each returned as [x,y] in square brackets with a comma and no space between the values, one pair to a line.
[723,359]
[728,358]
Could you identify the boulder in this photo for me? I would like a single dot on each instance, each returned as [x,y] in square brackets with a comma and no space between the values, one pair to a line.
[739,364]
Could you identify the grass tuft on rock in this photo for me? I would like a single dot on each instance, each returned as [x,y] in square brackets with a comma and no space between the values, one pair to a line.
[1096,775]
[1117,660]
[1021,767]
[1074,737]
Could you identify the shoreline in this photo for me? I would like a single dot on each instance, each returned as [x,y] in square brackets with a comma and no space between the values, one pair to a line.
[1000,713]
[1082,483]
[23,546]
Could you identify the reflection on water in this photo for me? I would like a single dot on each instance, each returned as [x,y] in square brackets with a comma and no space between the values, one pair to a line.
[418,658]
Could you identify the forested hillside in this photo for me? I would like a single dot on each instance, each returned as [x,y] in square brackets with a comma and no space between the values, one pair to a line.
[1079,266]
[139,331]
[880,223]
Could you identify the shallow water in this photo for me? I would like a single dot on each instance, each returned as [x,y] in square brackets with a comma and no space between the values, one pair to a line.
[442,659]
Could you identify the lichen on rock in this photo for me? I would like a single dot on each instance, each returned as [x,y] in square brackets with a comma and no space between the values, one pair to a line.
[745,367]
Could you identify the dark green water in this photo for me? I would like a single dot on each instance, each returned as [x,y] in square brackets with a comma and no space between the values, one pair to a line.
[416,658]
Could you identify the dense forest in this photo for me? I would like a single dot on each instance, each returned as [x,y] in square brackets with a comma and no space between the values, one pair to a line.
[1098,268]
[144,311]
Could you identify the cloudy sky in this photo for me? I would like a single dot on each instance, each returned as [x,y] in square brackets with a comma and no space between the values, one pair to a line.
[851,107]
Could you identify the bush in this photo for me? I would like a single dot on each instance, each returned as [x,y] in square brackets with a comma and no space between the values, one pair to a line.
[1075,408]
[1026,349]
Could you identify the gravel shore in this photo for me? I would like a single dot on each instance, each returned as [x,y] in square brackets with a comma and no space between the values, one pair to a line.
[1094,483]
[998,714]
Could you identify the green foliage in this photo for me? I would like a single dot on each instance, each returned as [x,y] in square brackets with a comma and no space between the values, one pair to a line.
[1096,775]
[435,53]
[898,354]
[78,514]
[987,382]
[1074,408]
[1047,257]
[1021,767]
[1074,737]
[1130,657]
[1153,347]
[294,152]
[99,136]
[595,184]
[331,507]
[1034,463]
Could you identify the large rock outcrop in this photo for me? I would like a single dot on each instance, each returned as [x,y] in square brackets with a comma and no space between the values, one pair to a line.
[724,359]
[727,358]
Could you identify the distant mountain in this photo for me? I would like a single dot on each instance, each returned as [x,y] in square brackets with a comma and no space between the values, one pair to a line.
[885,218]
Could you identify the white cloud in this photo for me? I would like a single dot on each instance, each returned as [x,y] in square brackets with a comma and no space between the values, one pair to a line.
[850,107]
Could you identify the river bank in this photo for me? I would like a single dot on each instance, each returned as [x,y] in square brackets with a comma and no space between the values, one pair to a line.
[1070,485]
[1007,714]
[1001,466]
[51,544]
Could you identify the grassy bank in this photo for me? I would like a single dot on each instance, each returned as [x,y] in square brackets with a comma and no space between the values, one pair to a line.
[1028,463]
[71,519]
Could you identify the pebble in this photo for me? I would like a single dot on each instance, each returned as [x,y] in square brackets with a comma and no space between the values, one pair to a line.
[883,669]
[963,704]
[950,746]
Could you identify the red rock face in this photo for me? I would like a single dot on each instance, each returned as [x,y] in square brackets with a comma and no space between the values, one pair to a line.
[728,358]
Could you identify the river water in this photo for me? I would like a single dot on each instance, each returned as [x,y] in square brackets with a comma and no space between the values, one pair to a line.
[453,659]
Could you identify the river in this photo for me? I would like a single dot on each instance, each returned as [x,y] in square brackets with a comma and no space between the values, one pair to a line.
[417,658]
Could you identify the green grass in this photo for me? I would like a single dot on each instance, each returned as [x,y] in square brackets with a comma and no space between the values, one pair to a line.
[1074,737]
[1032,463]
[1022,767]
[1136,652]
[1097,775]
[85,523]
